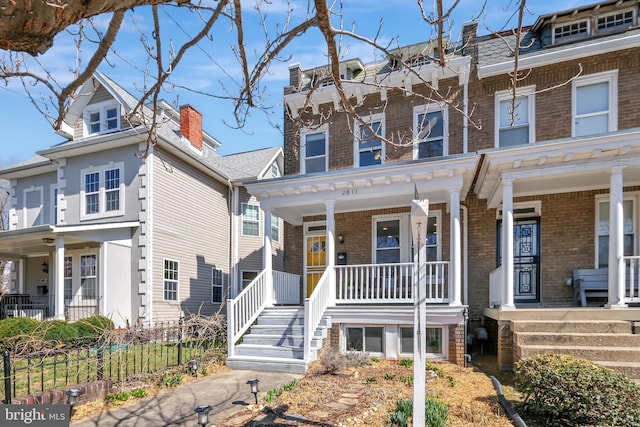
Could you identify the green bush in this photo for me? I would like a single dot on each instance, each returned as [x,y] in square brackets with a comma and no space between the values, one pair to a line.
[14,330]
[575,392]
[91,328]
[58,331]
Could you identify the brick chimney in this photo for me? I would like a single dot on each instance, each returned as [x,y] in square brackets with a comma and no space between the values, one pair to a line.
[470,42]
[191,125]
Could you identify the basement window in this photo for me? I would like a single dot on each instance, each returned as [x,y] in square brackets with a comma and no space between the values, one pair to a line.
[367,339]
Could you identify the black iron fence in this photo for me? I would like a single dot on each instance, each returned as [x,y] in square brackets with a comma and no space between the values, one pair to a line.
[119,356]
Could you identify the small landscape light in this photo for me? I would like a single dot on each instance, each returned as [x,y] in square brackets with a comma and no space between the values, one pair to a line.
[254,387]
[193,364]
[203,414]
[72,397]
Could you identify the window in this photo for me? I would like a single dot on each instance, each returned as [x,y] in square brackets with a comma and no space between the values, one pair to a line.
[594,105]
[432,246]
[102,191]
[68,278]
[367,339]
[88,277]
[615,20]
[430,131]
[217,283]
[275,228]
[368,147]
[387,241]
[54,204]
[515,117]
[435,344]
[314,148]
[628,227]
[171,277]
[248,277]
[275,170]
[250,220]
[101,118]
[570,31]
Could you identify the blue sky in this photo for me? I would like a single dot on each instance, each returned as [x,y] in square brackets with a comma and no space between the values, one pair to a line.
[211,67]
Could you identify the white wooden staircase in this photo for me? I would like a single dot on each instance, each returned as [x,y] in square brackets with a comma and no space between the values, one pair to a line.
[275,342]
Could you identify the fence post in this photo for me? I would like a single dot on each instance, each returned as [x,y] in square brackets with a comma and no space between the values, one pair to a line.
[180,323]
[7,377]
[100,361]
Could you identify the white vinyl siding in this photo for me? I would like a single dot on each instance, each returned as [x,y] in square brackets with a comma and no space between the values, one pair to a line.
[594,104]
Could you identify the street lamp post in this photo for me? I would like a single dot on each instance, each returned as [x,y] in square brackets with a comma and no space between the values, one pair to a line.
[419,221]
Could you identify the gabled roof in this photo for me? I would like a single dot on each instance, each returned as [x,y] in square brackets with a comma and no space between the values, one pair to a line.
[249,164]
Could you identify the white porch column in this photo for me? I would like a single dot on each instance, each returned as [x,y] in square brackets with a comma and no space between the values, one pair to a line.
[507,245]
[267,257]
[455,249]
[331,248]
[616,240]
[58,278]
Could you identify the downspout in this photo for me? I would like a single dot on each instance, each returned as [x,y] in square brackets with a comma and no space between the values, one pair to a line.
[465,115]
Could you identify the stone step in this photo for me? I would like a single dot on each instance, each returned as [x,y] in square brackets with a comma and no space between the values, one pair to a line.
[630,369]
[604,353]
[577,339]
[574,326]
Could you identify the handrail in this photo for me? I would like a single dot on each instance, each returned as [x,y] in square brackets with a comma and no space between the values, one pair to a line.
[244,309]
[314,308]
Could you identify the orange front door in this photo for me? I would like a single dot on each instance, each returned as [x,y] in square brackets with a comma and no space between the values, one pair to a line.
[316,260]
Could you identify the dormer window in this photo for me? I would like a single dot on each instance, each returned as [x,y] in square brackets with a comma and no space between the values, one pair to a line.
[570,31]
[101,118]
[615,20]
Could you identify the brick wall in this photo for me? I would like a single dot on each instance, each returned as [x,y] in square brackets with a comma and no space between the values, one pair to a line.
[456,344]
[90,391]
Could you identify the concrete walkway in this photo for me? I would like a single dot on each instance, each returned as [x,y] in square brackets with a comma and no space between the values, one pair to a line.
[226,392]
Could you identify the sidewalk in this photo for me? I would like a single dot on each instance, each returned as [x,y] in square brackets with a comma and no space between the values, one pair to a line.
[227,393]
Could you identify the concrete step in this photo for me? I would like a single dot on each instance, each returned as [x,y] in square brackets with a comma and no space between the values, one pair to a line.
[277,330]
[280,320]
[574,326]
[577,339]
[263,350]
[605,353]
[268,364]
[284,340]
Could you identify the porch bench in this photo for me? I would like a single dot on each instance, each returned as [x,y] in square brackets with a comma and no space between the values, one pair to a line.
[591,283]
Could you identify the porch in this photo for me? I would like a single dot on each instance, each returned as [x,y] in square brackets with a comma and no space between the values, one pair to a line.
[42,307]
[290,338]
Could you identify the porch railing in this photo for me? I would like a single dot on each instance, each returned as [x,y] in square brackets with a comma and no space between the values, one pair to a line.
[244,309]
[42,307]
[632,271]
[314,308]
[389,283]
[286,288]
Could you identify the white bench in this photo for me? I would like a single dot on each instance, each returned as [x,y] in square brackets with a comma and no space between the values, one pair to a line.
[590,283]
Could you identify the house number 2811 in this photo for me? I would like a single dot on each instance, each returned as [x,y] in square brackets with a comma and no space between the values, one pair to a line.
[350,192]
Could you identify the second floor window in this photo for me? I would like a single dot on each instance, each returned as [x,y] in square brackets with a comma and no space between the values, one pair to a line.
[369,148]
[102,191]
[515,117]
[101,118]
[595,98]
[314,149]
[429,127]
[250,220]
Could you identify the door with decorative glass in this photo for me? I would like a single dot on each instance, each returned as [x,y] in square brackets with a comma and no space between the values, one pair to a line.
[526,259]
[315,255]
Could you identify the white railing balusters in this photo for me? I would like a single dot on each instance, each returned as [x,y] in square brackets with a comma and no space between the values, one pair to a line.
[632,278]
[244,309]
[314,308]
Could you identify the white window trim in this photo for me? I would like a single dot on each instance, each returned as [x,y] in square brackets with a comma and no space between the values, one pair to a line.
[177,300]
[242,219]
[101,108]
[432,356]
[25,209]
[324,129]
[574,37]
[80,276]
[356,142]
[242,274]
[102,213]
[343,338]
[634,17]
[610,77]
[53,196]
[503,95]
[536,205]
[279,226]
[634,197]
[221,285]
[72,277]
[437,214]
[429,108]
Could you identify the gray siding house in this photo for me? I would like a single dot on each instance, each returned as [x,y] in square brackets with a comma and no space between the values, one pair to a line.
[99,224]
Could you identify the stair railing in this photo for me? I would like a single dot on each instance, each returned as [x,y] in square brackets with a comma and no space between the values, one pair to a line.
[314,308]
[244,309]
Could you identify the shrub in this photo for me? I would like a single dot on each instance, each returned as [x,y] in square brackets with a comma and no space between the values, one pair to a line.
[14,330]
[91,328]
[334,361]
[574,392]
[58,331]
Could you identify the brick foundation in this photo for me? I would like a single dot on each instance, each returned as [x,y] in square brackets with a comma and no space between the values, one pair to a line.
[94,390]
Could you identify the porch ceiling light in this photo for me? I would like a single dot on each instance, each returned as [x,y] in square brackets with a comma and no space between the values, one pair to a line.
[48,240]
[254,388]
[44,267]
[203,414]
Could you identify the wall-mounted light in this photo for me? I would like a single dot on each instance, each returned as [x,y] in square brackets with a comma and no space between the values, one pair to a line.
[340,238]
[45,267]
